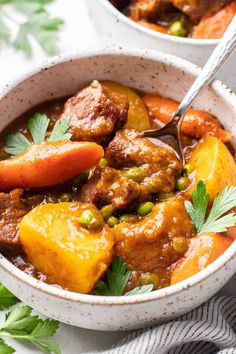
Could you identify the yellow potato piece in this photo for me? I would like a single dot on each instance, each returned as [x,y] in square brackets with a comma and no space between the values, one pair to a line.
[138,117]
[59,247]
[214,164]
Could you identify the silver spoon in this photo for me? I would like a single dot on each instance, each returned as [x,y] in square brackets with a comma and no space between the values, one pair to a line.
[207,74]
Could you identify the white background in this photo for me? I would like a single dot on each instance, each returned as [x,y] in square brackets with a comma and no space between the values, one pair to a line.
[77,34]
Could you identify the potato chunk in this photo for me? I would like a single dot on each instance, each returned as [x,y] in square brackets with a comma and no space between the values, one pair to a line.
[203,250]
[58,246]
[138,117]
[214,164]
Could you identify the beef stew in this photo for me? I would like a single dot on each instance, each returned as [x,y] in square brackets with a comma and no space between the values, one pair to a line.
[84,195]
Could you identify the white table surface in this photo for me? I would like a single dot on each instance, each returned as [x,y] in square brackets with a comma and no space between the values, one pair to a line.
[77,34]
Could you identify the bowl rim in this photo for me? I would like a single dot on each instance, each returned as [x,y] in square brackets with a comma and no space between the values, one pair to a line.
[190,69]
[158,35]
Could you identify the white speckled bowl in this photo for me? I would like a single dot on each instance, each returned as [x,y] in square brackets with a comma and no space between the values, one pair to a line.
[144,70]
[118,29]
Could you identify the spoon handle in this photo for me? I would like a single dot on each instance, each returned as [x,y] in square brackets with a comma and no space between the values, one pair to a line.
[218,57]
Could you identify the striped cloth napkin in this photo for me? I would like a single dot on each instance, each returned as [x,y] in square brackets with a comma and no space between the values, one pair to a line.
[209,329]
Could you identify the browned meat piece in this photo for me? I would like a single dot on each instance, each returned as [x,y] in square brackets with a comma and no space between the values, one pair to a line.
[96,113]
[116,189]
[147,244]
[89,190]
[198,8]
[159,164]
[12,209]
[146,9]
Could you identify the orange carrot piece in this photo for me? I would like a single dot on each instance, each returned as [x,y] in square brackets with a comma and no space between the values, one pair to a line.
[48,164]
[196,124]
[203,250]
[215,25]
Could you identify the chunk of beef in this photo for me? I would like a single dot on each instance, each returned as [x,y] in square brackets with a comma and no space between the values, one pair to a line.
[12,210]
[146,9]
[146,245]
[159,164]
[96,113]
[89,189]
[116,189]
[198,8]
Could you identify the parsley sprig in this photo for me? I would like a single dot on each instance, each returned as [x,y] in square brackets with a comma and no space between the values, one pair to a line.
[7,299]
[116,280]
[22,326]
[217,219]
[37,24]
[37,126]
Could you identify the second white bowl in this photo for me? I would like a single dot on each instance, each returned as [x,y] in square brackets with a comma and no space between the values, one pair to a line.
[118,29]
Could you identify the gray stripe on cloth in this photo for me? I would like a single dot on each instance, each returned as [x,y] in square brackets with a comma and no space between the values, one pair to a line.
[209,329]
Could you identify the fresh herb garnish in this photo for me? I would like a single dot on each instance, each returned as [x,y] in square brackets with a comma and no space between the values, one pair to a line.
[37,126]
[5,348]
[60,130]
[117,278]
[140,290]
[37,24]
[216,221]
[7,299]
[22,326]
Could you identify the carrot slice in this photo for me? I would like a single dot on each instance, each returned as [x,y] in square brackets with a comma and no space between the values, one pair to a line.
[196,124]
[214,26]
[47,164]
[203,250]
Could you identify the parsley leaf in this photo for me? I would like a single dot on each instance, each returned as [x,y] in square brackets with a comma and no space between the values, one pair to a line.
[225,201]
[37,24]
[7,299]
[16,143]
[197,210]
[216,221]
[117,279]
[43,29]
[5,348]
[60,130]
[37,126]
[21,325]
[140,290]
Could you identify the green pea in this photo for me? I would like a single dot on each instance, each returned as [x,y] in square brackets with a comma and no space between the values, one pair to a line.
[150,278]
[145,208]
[128,218]
[179,244]
[107,211]
[52,199]
[65,197]
[188,168]
[178,29]
[182,183]
[112,221]
[91,219]
[81,179]
[134,173]
[164,196]
[103,162]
